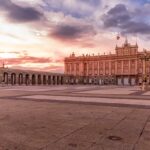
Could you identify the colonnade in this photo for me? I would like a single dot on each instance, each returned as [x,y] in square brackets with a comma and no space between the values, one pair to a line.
[91,80]
[32,79]
[105,80]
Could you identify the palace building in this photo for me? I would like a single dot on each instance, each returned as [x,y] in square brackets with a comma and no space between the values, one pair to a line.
[124,67]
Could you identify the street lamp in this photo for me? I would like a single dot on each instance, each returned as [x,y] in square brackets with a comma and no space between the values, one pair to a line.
[145,58]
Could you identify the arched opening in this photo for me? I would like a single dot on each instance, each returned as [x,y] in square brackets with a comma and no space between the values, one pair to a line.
[39,80]
[33,79]
[49,80]
[13,78]
[61,80]
[44,79]
[20,80]
[27,79]
[57,80]
[54,80]
[5,77]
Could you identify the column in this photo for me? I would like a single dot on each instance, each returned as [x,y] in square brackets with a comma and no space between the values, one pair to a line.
[9,78]
[122,67]
[17,79]
[81,69]
[103,67]
[65,68]
[129,72]
[122,72]
[1,77]
[116,67]
[98,68]
[46,79]
[74,65]
[129,67]
[92,68]
[144,67]
[110,67]
[30,79]
[136,65]
[87,69]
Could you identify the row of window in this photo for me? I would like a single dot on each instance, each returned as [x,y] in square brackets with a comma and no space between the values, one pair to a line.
[90,65]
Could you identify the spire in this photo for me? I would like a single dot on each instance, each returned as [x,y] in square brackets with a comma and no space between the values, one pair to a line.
[126,41]
[136,44]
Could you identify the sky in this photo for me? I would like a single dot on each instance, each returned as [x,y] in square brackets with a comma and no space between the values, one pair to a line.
[39,34]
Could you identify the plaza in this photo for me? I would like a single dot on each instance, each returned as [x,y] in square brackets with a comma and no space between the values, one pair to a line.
[68,117]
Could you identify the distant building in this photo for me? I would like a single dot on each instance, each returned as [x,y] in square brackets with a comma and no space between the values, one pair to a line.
[122,68]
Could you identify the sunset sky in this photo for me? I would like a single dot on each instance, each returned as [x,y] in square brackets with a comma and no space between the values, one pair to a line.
[38,34]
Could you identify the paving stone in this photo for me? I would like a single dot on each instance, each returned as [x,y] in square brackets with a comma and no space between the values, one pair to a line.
[84,137]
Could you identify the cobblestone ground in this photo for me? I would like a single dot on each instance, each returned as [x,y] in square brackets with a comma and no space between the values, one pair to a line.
[74,118]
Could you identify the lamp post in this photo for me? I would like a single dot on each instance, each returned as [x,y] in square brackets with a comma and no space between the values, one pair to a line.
[145,58]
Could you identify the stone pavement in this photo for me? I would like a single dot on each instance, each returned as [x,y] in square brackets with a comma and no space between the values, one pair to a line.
[89,100]
[46,118]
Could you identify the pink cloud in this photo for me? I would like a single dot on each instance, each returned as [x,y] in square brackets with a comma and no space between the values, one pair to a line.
[26,59]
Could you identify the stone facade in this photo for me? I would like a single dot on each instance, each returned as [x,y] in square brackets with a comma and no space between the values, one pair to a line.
[27,77]
[125,67]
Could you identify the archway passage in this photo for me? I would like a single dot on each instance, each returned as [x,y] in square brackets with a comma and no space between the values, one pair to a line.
[39,80]
[49,80]
[5,77]
[53,80]
[13,78]
[20,80]
[33,79]
[61,80]
[57,80]
[44,79]
[27,79]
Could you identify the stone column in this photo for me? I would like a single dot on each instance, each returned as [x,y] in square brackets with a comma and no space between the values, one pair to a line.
[103,67]
[116,67]
[144,86]
[17,79]
[136,65]
[122,67]
[81,69]
[110,67]
[1,77]
[98,68]
[75,69]
[65,65]
[129,67]
[87,69]
[9,78]
[92,68]
[144,67]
